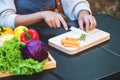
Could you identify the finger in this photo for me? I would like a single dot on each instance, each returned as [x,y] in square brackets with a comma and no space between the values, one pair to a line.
[80,22]
[86,19]
[54,23]
[63,22]
[92,22]
[49,23]
[58,24]
[95,23]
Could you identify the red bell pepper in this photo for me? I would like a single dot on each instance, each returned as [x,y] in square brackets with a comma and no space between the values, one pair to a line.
[29,35]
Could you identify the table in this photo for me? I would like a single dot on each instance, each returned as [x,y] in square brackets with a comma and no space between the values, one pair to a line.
[95,63]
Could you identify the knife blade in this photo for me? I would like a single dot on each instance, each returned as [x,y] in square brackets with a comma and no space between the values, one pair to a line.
[77,30]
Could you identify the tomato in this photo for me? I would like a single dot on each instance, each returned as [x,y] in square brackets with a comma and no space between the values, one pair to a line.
[6,30]
[19,30]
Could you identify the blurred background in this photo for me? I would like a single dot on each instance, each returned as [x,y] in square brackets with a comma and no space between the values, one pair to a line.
[110,7]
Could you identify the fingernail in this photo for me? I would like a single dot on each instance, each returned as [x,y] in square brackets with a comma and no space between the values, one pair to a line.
[66,28]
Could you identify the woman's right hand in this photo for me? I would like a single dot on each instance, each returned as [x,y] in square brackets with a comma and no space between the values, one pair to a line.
[53,19]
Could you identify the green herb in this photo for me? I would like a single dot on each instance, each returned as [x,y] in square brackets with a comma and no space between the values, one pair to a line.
[83,37]
[11,59]
[85,28]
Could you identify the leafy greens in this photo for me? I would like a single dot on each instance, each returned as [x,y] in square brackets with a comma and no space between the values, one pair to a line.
[11,59]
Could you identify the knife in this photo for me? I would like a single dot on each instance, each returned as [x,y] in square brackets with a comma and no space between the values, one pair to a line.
[77,30]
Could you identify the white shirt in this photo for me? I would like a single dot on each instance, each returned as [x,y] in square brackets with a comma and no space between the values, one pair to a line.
[70,7]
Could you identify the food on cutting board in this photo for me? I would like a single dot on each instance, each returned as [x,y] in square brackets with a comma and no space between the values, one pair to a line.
[5,37]
[73,42]
[70,42]
[83,37]
[71,38]
[35,49]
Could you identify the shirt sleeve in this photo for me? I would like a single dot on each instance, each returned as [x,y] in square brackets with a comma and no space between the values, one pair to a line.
[71,8]
[7,13]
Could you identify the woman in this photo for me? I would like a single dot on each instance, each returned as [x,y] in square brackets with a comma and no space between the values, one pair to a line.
[29,12]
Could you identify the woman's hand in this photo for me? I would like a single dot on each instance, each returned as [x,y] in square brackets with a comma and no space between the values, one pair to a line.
[84,18]
[54,20]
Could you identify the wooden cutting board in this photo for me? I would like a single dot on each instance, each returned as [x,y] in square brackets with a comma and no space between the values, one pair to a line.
[50,63]
[94,37]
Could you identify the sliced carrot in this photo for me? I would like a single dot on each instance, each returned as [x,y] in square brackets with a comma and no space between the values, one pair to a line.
[64,41]
[70,42]
[72,46]
[72,39]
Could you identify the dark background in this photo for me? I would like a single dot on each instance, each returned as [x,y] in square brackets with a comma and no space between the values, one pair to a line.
[110,7]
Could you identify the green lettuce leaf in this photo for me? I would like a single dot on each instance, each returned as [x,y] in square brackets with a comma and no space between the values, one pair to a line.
[11,59]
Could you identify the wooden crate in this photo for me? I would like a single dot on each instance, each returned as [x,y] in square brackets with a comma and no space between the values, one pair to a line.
[51,63]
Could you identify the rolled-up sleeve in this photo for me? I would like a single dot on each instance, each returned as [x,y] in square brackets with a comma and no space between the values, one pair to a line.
[7,13]
[72,7]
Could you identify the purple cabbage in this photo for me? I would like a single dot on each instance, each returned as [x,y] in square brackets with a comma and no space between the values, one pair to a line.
[35,49]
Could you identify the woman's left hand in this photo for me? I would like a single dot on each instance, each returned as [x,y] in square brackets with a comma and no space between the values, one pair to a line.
[87,20]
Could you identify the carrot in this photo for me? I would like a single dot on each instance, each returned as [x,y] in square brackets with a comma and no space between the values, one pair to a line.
[72,39]
[72,46]
[70,42]
[64,41]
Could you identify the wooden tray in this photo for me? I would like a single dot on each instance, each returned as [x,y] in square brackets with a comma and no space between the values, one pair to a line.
[51,63]
[94,37]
